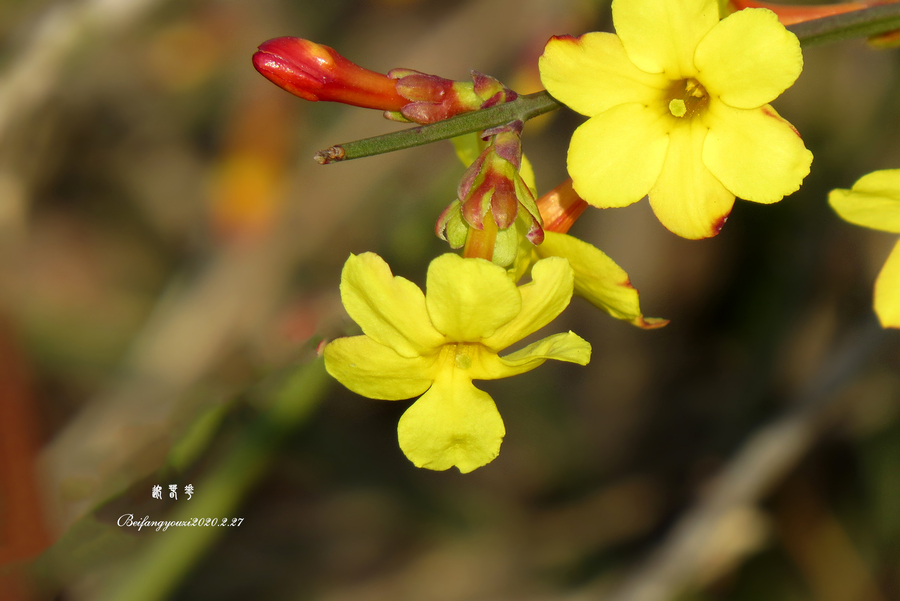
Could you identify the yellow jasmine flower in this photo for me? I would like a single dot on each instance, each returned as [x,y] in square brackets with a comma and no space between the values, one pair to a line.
[874,202]
[435,344]
[678,110]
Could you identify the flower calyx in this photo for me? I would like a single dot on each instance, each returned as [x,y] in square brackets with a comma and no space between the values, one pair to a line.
[490,197]
[433,98]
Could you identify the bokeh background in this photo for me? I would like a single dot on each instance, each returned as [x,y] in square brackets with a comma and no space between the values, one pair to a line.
[170,256]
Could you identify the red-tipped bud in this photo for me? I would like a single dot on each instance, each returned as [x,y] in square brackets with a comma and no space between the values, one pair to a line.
[488,185]
[493,186]
[790,14]
[561,207]
[316,72]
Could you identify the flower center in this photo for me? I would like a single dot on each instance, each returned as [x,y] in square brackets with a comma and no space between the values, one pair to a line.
[459,355]
[463,357]
[687,98]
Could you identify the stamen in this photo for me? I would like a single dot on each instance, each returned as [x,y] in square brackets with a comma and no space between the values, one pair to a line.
[687,97]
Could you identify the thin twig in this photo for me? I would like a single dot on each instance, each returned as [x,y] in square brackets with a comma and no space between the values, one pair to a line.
[522,109]
[35,71]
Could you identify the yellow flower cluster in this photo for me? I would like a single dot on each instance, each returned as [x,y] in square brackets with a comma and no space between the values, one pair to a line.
[678,110]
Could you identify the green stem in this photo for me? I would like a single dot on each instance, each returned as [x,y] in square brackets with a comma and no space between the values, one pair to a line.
[866,22]
[523,108]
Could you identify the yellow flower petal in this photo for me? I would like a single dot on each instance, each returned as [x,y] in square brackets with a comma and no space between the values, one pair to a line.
[615,158]
[599,279]
[748,59]
[468,147]
[453,424]
[391,310]
[545,297]
[592,73]
[527,173]
[687,198]
[568,347]
[873,202]
[885,182]
[469,299]
[661,35]
[376,371]
[887,291]
[755,153]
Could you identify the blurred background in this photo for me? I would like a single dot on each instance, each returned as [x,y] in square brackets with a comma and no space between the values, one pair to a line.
[170,257]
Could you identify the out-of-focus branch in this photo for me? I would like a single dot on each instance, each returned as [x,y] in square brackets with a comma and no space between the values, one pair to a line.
[32,74]
[698,539]
[34,71]
[22,530]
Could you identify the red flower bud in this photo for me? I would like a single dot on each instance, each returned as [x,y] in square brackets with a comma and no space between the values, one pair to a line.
[790,14]
[316,72]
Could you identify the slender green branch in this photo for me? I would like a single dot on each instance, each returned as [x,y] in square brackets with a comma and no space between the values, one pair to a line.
[523,108]
[866,22]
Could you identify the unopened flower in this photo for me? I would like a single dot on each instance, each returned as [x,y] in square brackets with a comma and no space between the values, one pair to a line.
[491,195]
[316,72]
[790,14]
[874,202]
[436,344]
[678,110]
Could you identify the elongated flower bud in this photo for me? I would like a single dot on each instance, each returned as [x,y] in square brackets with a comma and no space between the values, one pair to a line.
[561,207]
[316,72]
[789,14]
